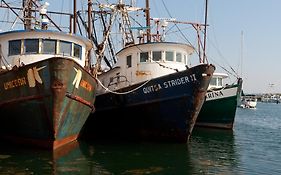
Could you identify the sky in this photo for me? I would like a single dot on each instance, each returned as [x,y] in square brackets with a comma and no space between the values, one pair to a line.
[254,55]
[243,34]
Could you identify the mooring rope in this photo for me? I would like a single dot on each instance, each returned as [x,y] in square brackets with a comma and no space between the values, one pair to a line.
[121,93]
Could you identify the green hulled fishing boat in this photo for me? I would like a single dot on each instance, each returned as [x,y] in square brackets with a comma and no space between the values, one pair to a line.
[221,102]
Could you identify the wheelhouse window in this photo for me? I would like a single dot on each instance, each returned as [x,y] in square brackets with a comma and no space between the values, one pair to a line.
[169,56]
[143,56]
[48,46]
[129,61]
[31,46]
[185,59]
[219,81]
[77,51]
[15,47]
[65,48]
[156,55]
[178,57]
[213,82]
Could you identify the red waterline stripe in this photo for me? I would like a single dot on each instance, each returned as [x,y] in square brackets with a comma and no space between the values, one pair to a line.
[46,143]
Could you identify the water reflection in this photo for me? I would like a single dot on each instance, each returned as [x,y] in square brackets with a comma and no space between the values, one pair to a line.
[209,152]
[213,151]
[140,158]
[22,160]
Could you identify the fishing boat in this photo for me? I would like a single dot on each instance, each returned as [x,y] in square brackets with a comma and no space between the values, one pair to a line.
[151,92]
[47,91]
[219,108]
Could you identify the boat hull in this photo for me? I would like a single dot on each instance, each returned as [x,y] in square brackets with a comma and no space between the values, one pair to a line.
[46,103]
[219,109]
[163,108]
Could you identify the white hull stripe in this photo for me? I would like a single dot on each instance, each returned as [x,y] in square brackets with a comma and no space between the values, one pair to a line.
[224,93]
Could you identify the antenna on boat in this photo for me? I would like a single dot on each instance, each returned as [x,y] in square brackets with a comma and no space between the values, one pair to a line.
[44,19]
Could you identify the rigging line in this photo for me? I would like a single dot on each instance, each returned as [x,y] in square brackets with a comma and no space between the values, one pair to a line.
[136,21]
[166,66]
[223,58]
[169,31]
[231,73]
[122,93]
[178,26]
[235,75]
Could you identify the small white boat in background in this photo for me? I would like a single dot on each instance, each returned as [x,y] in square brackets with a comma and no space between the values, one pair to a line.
[248,102]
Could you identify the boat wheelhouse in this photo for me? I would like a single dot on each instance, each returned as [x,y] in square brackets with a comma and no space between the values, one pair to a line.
[142,62]
[26,47]
[217,80]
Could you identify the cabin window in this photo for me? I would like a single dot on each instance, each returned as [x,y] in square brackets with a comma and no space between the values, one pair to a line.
[143,56]
[219,81]
[15,47]
[65,48]
[48,46]
[185,59]
[156,55]
[129,61]
[213,82]
[31,46]
[77,51]
[169,56]
[178,57]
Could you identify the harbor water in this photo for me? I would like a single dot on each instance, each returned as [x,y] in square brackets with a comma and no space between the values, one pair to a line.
[253,147]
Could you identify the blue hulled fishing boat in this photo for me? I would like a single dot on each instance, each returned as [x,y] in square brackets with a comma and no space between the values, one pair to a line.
[150,92]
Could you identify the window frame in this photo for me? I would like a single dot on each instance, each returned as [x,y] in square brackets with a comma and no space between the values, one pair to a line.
[142,59]
[177,58]
[157,54]
[29,48]
[61,42]
[74,51]
[213,82]
[10,53]
[43,44]
[173,57]
[129,61]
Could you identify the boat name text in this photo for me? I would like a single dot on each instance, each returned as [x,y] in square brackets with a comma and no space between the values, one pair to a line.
[169,83]
[214,94]
[86,85]
[15,83]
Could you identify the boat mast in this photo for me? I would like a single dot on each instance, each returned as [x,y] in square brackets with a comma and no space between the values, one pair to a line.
[74,17]
[242,52]
[147,12]
[88,60]
[27,14]
[90,19]
[205,31]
